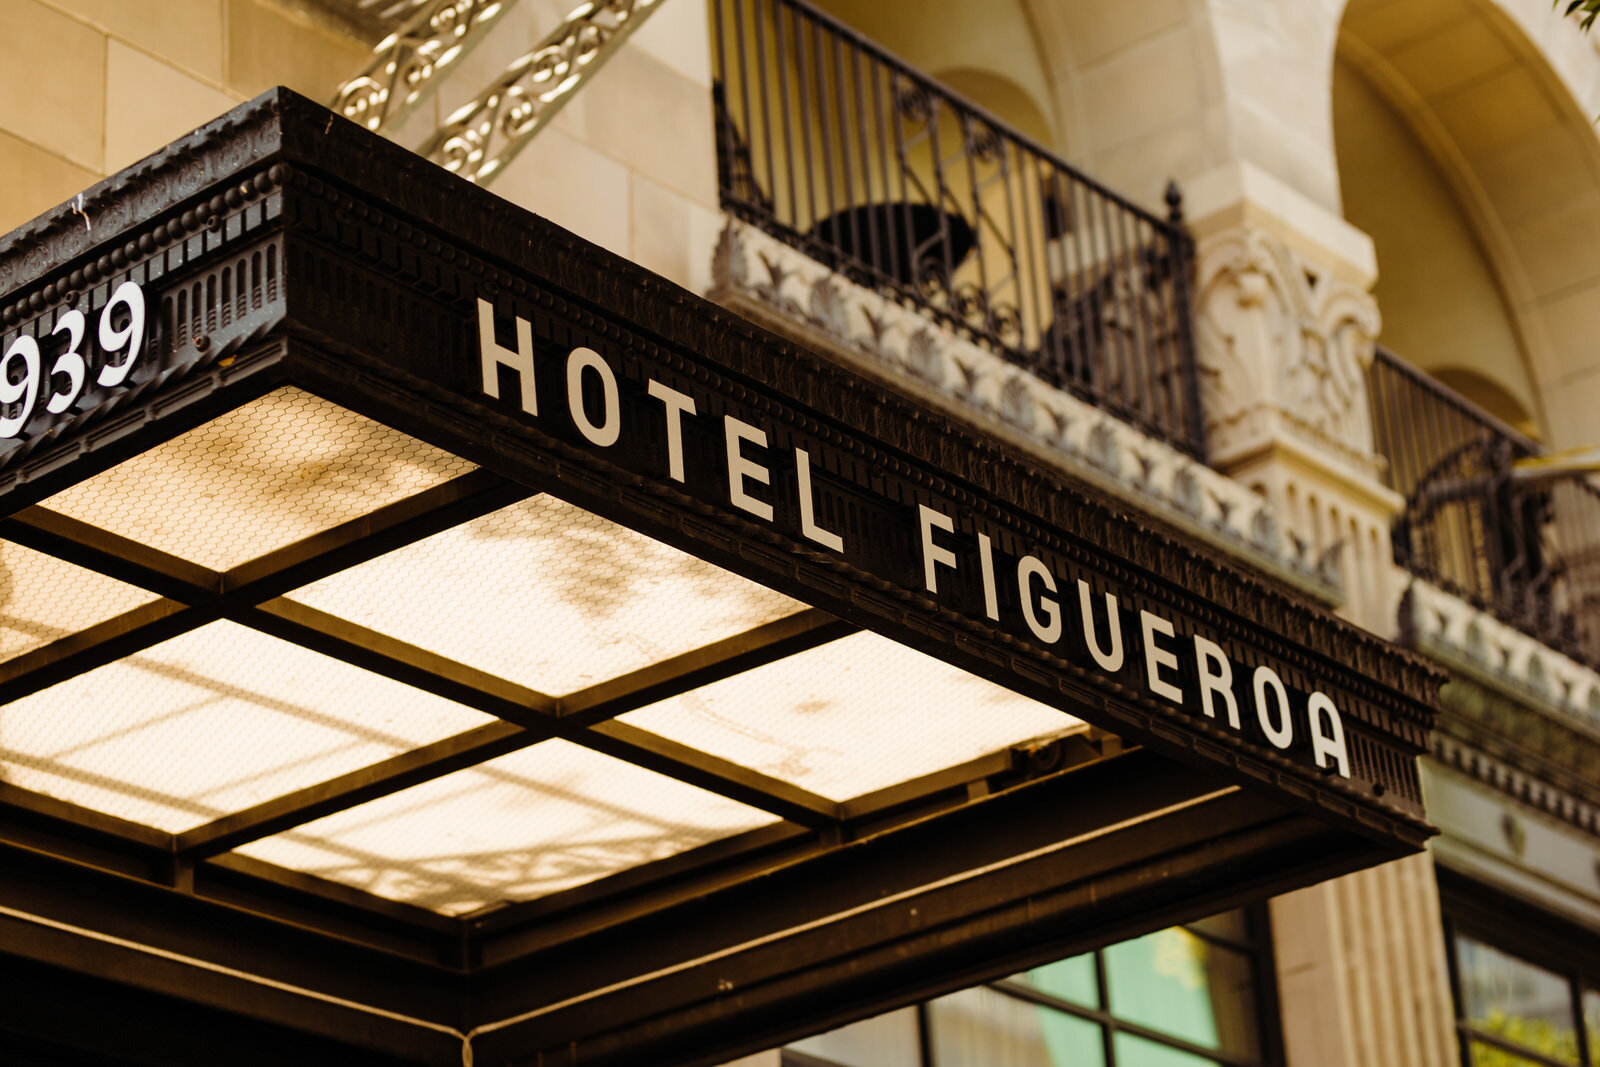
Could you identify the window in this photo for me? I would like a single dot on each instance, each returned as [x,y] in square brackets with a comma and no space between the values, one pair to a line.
[1527,989]
[1189,996]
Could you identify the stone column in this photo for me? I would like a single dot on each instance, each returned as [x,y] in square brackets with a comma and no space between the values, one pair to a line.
[1286,329]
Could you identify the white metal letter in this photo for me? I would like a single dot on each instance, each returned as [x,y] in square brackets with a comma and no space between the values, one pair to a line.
[1112,660]
[808,514]
[932,553]
[1320,709]
[740,468]
[991,601]
[496,356]
[70,362]
[1031,567]
[677,404]
[1282,734]
[606,434]
[1216,679]
[1156,657]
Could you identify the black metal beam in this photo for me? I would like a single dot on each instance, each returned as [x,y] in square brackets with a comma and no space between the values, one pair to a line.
[639,891]
[755,647]
[348,790]
[97,645]
[732,780]
[45,826]
[378,652]
[539,712]
[58,1016]
[119,557]
[1070,862]
[194,595]
[368,536]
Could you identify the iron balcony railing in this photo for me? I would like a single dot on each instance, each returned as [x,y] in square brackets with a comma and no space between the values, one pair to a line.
[1526,550]
[836,147]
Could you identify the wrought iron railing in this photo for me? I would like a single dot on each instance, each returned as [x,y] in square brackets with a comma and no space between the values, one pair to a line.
[836,147]
[1524,548]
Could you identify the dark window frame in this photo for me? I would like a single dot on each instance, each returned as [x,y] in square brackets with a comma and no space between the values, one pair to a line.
[1518,928]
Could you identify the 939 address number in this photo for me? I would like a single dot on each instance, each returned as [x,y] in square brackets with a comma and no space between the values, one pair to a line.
[22,394]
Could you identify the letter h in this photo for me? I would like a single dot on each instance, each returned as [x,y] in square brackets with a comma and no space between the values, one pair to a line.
[496,356]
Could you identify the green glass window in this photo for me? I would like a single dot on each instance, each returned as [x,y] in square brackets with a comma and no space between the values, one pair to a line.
[1527,991]
[1190,996]
[1591,1024]
[1527,1006]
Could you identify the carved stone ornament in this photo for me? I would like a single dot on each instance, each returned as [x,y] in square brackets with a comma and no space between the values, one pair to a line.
[1283,349]
[1474,643]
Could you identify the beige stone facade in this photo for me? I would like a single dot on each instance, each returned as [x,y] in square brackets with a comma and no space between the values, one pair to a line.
[1424,173]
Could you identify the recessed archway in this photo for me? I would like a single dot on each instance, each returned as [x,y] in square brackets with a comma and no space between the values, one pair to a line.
[1466,110]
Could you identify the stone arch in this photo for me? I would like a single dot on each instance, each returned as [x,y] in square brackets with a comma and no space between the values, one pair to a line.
[1500,95]
[1151,90]
[1489,395]
[984,49]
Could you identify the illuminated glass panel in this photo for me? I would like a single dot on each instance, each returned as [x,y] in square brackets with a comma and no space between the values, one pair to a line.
[852,716]
[547,595]
[260,477]
[43,599]
[533,822]
[210,722]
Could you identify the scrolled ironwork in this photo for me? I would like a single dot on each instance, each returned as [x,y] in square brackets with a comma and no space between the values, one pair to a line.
[408,64]
[915,102]
[984,143]
[482,136]
[1529,552]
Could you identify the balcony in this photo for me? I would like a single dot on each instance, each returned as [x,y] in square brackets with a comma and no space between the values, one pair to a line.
[838,149]
[1480,525]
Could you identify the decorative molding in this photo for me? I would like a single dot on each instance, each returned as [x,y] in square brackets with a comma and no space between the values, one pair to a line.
[762,274]
[410,63]
[483,135]
[1516,778]
[1283,350]
[1474,643]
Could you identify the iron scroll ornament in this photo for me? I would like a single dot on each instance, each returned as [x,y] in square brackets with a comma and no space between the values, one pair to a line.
[483,135]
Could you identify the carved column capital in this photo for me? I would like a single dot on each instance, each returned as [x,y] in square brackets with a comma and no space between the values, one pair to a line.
[1283,349]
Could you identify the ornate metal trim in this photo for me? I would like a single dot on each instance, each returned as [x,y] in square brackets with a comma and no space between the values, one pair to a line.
[410,63]
[482,136]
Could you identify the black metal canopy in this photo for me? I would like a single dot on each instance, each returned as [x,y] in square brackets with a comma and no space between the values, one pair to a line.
[338,418]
